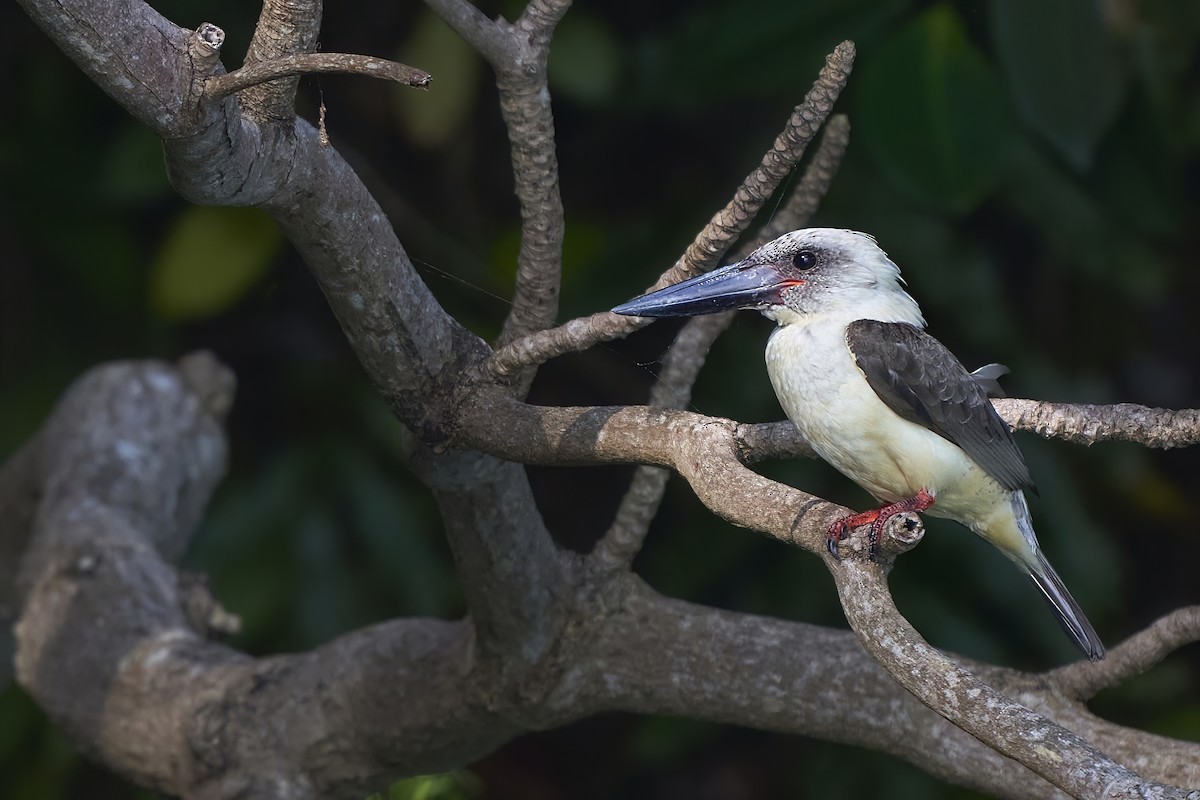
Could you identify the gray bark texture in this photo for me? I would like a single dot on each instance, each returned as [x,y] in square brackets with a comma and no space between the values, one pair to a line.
[118,647]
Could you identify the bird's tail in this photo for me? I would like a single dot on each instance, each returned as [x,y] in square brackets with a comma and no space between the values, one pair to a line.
[1070,616]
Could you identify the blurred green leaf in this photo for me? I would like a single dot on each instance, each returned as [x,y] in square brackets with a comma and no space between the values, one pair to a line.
[728,50]
[585,61]
[660,739]
[397,536]
[209,259]
[131,171]
[1066,70]
[430,117]
[932,111]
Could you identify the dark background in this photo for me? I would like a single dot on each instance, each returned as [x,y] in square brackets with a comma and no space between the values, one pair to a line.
[1033,167]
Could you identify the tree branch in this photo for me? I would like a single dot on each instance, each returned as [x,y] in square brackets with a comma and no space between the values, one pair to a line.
[262,71]
[490,38]
[1086,424]
[120,473]
[285,28]
[511,572]
[1136,655]
[518,54]
[1060,756]
[409,697]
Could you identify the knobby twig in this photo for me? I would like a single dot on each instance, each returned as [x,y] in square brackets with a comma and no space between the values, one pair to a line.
[712,242]
[306,63]
[518,54]
[529,118]
[803,201]
[1086,424]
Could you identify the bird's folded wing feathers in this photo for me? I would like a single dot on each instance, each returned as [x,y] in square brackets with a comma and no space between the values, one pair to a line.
[922,381]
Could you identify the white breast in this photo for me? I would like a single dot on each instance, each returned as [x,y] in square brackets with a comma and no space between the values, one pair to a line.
[827,397]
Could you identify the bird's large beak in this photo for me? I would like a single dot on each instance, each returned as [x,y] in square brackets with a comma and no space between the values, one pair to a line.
[740,285]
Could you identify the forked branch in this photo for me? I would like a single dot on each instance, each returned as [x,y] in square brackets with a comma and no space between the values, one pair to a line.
[713,241]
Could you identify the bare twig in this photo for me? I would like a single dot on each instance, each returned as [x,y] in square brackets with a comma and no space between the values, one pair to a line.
[673,389]
[1135,655]
[706,250]
[712,242]
[305,63]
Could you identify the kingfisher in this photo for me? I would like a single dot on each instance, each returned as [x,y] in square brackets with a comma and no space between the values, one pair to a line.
[878,398]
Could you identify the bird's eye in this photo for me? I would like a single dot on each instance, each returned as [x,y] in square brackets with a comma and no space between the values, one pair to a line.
[804,260]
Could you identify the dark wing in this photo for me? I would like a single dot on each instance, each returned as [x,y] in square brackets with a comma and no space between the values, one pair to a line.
[922,381]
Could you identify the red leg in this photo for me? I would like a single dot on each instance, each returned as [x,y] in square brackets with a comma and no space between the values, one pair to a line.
[876,518]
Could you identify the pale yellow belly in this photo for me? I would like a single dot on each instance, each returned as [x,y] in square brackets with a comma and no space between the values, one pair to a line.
[829,400]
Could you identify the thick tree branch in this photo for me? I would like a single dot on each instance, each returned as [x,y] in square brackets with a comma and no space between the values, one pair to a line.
[285,28]
[1060,756]
[411,686]
[407,697]
[412,351]
[711,243]
[511,573]
[128,49]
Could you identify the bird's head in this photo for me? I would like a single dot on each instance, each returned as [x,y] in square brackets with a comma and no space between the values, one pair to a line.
[805,272]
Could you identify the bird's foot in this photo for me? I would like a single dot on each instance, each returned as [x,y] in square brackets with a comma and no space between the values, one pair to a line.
[877,518]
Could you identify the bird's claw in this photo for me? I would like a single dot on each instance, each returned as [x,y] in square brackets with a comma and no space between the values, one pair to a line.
[841,529]
[877,519]
[837,532]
